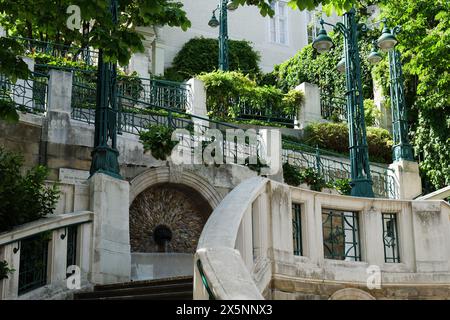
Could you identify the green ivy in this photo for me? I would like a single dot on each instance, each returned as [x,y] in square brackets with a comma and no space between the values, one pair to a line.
[291,175]
[342,186]
[200,55]
[158,139]
[424,44]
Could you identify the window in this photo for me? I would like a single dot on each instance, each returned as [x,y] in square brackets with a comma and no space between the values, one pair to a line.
[297,229]
[278,23]
[390,238]
[33,263]
[341,235]
[71,259]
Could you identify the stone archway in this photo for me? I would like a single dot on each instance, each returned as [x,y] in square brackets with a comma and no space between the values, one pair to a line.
[172,204]
[351,294]
[174,175]
[176,208]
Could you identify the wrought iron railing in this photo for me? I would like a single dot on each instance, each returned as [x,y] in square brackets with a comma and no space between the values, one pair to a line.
[242,109]
[72,53]
[333,108]
[33,263]
[332,168]
[154,92]
[27,95]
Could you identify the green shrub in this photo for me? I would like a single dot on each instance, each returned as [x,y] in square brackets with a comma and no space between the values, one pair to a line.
[5,270]
[342,185]
[158,139]
[225,89]
[23,198]
[200,55]
[313,179]
[372,115]
[294,176]
[291,175]
[334,137]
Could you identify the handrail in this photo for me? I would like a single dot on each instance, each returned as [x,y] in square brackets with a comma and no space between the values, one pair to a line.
[205,280]
[216,247]
[440,194]
[48,223]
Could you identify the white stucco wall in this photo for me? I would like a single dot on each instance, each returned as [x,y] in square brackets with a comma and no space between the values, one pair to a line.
[245,23]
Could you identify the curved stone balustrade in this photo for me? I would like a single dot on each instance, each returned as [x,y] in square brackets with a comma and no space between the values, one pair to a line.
[57,228]
[247,247]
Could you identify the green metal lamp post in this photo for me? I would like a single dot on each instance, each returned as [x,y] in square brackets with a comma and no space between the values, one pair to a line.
[105,154]
[223,7]
[361,180]
[402,149]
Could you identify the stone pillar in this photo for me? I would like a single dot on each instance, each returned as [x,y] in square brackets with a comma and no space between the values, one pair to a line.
[111,261]
[25,95]
[197,103]
[383,107]
[310,110]
[59,107]
[58,254]
[9,288]
[373,241]
[406,174]
[158,59]
[431,230]
[85,248]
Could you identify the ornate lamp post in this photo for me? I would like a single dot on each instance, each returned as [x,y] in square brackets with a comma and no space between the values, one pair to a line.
[402,149]
[105,154]
[223,30]
[361,180]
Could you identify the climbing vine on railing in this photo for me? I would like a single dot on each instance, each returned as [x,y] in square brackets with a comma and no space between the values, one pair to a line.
[158,140]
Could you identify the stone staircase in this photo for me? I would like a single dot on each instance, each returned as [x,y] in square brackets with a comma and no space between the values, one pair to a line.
[179,288]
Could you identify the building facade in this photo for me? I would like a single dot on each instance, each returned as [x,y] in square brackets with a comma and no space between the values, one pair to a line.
[276,39]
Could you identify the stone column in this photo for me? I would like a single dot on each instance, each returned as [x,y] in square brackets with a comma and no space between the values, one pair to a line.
[111,261]
[383,107]
[24,96]
[158,58]
[197,98]
[9,288]
[59,107]
[58,254]
[431,230]
[310,110]
[406,174]
[372,221]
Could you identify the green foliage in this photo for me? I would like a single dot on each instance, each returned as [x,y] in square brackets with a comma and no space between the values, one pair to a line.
[372,115]
[313,179]
[158,139]
[295,176]
[343,186]
[47,21]
[424,44]
[200,55]
[224,89]
[338,6]
[5,270]
[309,66]
[334,136]
[23,198]
[11,65]
[291,175]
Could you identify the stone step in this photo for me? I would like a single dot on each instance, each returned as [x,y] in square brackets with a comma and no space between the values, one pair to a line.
[144,283]
[183,295]
[178,288]
[163,288]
